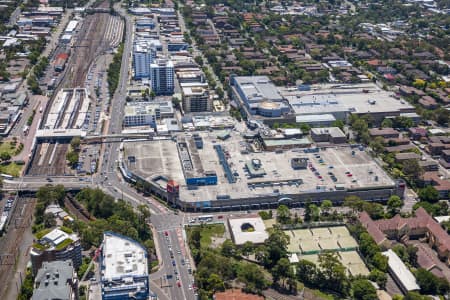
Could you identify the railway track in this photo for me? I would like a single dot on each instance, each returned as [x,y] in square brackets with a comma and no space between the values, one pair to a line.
[10,243]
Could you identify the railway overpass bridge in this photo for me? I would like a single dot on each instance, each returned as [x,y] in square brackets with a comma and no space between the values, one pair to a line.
[113,138]
[31,184]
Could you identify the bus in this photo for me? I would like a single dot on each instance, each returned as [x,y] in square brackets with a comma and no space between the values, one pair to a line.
[205,218]
[26,129]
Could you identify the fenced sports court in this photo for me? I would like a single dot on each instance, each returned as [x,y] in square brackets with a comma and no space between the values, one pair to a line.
[308,243]
[315,240]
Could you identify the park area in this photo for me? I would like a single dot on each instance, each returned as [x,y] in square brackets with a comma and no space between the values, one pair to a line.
[9,149]
[210,235]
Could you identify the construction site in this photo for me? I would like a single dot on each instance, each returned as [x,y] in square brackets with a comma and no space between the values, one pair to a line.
[68,113]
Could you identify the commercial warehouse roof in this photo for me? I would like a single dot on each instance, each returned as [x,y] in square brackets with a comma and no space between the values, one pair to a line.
[402,273]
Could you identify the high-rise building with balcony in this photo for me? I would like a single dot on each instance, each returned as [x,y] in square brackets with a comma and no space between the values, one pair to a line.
[162,77]
[144,54]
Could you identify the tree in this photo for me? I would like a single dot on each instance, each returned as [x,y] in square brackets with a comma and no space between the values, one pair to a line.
[326,206]
[247,248]
[195,238]
[276,246]
[312,213]
[429,194]
[264,215]
[442,116]
[5,156]
[152,94]
[72,158]
[307,272]
[394,204]
[379,277]
[415,296]
[375,210]
[380,261]
[387,123]
[361,128]
[333,272]
[412,169]
[281,270]
[252,276]
[228,248]
[411,250]
[377,144]
[403,122]
[283,214]
[338,123]
[419,83]
[49,220]
[364,290]
[75,143]
[354,202]
[430,283]
[215,283]
[199,60]
[262,255]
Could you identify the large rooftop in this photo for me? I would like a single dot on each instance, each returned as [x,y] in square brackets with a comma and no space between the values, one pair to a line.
[122,257]
[148,108]
[355,98]
[248,229]
[258,88]
[156,158]
[401,271]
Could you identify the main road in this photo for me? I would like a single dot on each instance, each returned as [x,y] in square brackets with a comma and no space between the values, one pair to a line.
[162,219]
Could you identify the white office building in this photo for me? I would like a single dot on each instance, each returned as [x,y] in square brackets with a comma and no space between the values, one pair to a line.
[147,113]
[162,76]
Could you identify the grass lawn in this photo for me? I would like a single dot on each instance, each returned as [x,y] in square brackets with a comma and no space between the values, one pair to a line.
[8,148]
[11,169]
[207,232]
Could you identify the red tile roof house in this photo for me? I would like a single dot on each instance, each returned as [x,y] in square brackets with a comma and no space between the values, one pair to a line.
[418,132]
[403,229]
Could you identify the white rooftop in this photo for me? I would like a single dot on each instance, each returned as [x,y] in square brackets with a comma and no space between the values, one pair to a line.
[353,98]
[258,236]
[57,236]
[293,258]
[401,271]
[442,219]
[123,257]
